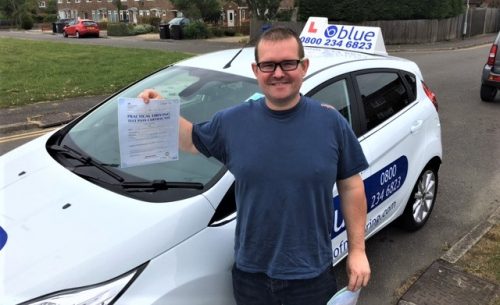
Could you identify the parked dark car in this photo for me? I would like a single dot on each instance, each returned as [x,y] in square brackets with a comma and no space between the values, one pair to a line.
[490,80]
[81,28]
[182,21]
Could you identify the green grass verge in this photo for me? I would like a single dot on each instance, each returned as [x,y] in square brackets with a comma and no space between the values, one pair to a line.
[34,71]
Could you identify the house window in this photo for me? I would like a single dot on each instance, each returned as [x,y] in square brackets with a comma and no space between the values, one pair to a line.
[77,1]
[41,4]
[59,1]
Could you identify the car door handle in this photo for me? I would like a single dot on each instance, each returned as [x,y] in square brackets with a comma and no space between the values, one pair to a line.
[416,126]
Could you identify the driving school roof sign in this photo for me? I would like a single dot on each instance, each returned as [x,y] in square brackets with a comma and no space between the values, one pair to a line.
[318,33]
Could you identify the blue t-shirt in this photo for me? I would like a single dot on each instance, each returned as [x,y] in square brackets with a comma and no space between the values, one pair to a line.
[285,165]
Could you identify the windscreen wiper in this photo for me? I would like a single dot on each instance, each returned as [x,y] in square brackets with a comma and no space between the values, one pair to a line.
[157,185]
[86,160]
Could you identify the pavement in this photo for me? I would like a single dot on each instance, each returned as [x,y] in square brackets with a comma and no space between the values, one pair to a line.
[442,283]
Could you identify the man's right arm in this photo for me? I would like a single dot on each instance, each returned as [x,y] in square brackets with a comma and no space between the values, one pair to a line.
[185,127]
[186,136]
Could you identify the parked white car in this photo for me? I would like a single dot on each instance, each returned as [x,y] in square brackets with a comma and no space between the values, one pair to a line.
[78,228]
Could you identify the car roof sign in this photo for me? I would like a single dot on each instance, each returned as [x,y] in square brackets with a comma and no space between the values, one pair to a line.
[318,33]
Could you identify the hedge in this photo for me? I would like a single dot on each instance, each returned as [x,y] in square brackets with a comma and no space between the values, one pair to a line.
[128,29]
[368,10]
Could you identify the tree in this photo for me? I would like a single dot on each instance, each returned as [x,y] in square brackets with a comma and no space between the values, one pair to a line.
[119,7]
[207,10]
[21,11]
[264,9]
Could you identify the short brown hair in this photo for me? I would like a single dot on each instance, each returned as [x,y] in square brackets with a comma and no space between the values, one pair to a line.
[279,33]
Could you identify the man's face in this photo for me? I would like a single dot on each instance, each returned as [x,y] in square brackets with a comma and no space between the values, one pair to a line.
[281,88]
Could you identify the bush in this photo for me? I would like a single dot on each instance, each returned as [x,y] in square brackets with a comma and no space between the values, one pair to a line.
[142,29]
[154,21]
[216,31]
[196,30]
[120,29]
[365,10]
[50,18]
[229,32]
[26,21]
[103,25]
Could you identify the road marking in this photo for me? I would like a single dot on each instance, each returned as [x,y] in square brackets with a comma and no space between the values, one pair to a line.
[25,135]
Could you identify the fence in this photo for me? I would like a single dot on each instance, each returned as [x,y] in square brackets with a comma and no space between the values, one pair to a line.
[479,21]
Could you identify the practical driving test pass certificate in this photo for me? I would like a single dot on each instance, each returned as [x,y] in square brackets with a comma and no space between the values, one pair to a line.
[148,133]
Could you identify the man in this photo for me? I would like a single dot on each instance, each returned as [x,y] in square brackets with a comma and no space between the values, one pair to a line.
[286,153]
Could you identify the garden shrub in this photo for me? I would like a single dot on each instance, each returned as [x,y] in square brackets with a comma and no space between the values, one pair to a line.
[142,29]
[49,18]
[196,30]
[26,21]
[366,10]
[120,29]
[216,31]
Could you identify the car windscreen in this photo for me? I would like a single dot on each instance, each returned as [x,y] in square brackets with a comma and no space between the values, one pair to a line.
[201,92]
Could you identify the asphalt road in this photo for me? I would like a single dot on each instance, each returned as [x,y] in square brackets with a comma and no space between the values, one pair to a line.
[142,41]
[469,176]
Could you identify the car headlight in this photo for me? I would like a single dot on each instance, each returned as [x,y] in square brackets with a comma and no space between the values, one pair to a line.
[105,293]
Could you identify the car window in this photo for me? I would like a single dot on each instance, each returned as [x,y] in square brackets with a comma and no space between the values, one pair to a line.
[336,95]
[412,82]
[89,23]
[382,94]
[202,93]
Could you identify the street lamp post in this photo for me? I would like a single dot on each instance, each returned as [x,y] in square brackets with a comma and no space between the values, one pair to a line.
[465,20]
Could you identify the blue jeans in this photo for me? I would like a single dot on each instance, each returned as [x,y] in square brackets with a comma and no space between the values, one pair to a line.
[259,289]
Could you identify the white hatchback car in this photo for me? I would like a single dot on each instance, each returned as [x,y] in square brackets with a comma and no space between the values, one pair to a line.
[78,228]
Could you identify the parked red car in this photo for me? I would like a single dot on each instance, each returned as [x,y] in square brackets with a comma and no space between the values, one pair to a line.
[81,28]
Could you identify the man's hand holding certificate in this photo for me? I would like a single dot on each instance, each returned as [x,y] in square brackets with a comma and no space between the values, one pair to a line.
[148,133]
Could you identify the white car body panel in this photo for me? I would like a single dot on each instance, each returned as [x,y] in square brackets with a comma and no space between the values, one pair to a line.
[51,248]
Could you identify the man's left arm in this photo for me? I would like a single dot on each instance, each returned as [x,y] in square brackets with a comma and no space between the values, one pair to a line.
[353,205]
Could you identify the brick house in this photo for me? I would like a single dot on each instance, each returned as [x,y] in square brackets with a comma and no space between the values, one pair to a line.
[105,10]
[235,15]
[132,10]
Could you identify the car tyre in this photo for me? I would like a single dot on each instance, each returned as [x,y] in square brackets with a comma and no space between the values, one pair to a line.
[65,35]
[488,93]
[421,202]
[77,34]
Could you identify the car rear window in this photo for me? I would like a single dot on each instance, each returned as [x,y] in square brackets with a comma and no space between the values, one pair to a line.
[89,23]
[383,94]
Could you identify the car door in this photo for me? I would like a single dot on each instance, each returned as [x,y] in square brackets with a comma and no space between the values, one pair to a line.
[338,92]
[392,124]
[70,30]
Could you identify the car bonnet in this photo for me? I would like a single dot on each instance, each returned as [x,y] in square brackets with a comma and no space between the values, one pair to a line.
[60,231]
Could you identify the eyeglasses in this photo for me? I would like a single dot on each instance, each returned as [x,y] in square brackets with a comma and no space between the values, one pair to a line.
[285,65]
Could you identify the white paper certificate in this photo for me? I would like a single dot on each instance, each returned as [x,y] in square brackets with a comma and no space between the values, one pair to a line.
[344,297]
[148,133]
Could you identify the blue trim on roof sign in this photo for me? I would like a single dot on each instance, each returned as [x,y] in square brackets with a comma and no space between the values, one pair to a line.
[318,33]
[3,238]
[378,188]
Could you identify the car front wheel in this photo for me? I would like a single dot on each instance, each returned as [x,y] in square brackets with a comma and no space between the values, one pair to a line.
[419,206]
[488,93]
[65,34]
[77,35]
